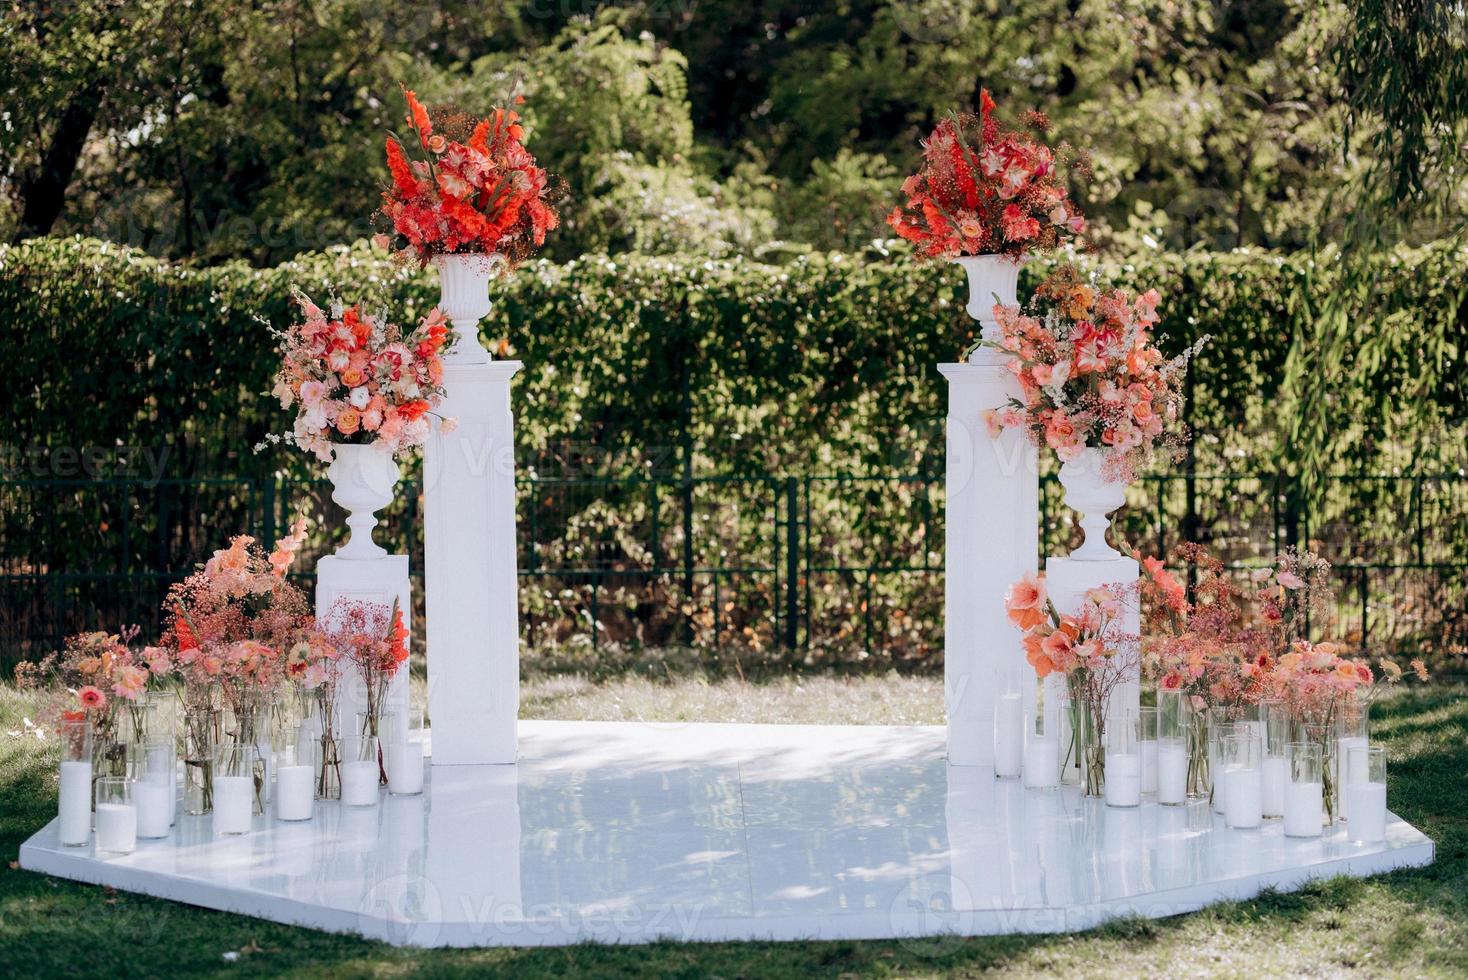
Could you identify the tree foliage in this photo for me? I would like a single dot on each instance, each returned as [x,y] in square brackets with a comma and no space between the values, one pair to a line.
[217,129]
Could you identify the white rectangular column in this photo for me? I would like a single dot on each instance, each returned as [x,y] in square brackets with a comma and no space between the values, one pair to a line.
[469,551]
[991,540]
[376,580]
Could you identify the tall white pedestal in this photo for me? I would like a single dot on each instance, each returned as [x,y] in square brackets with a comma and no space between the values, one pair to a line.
[991,540]
[1067,581]
[378,580]
[469,551]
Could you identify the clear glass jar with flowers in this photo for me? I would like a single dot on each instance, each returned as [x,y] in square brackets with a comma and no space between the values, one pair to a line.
[371,640]
[1090,650]
[314,668]
[104,678]
[227,627]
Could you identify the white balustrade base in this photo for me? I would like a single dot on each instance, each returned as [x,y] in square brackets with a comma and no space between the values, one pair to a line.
[611,832]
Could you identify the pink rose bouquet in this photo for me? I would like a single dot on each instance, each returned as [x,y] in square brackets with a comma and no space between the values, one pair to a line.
[356,379]
[1090,374]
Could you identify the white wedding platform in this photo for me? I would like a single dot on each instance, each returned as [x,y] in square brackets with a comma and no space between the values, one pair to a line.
[624,832]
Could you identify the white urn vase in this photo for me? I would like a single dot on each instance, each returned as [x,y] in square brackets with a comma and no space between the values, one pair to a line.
[362,481]
[1093,492]
[991,279]
[463,282]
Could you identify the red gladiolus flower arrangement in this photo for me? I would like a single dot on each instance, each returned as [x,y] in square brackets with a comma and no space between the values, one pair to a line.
[467,186]
[983,189]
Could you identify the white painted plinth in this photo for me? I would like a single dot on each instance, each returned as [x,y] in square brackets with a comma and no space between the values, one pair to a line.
[991,540]
[379,580]
[1068,580]
[610,832]
[469,550]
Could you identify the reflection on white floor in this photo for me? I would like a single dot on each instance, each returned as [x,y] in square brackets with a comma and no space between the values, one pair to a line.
[630,832]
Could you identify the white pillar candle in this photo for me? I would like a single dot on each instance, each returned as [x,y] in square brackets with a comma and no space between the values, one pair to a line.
[75,804]
[1368,811]
[1245,798]
[1349,771]
[1149,766]
[1009,724]
[117,828]
[1042,763]
[155,805]
[359,783]
[173,793]
[1276,777]
[1304,809]
[1123,779]
[1172,774]
[234,802]
[295,792]
[405,768]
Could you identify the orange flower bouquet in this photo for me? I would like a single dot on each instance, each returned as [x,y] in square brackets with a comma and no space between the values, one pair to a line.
[465,185]
[356,379]
[984,189]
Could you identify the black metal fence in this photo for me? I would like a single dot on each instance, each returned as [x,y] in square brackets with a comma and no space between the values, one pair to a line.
[824,568]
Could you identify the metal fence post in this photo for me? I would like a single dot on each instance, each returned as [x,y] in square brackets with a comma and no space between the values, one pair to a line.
[792,561]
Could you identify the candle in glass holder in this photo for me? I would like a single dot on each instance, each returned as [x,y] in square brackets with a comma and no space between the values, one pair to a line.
[234,789]
[1368,795]
[74,805]
[1304,793]
[1172,772]
[153,790]
[1276,769]
[360,771]
[405,768]
[165,712]
[403,754]
[295,778]
[1042,753]
[1347,749]
[1009,727]
[1147,743]
[1219,728]
[1174,736]
[155,808]
[1244,779]
[117,818]
[1123,762]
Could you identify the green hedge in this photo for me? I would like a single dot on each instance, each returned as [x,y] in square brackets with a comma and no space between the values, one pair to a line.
[822,365]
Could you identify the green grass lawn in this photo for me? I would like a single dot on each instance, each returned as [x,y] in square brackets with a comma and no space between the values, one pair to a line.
[1408,923]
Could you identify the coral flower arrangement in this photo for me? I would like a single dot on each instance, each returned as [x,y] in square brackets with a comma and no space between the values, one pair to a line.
[1090,649]
[465,185]
[1090,374]
[983,189]
[357,379]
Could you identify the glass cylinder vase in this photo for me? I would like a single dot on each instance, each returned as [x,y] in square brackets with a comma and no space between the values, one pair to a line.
[203,732]
[1089,722]
[1353,731]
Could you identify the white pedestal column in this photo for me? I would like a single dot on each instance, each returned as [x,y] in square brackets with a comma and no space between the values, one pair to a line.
[469,551]
[991,540]
[1068,580]
[379,580]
